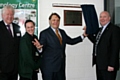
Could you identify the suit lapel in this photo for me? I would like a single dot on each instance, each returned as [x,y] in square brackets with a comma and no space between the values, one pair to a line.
[104,32]
[106,29]
[5,30]
[53,35]
[16,31]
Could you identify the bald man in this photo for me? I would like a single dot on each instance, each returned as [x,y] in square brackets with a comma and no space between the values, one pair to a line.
[106,48]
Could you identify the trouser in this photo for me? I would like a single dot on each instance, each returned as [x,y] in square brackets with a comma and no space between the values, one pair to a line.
[8,76]
[60,75]
[105,75]
[34,76]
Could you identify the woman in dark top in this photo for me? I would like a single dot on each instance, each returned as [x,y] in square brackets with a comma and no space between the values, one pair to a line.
[29,55]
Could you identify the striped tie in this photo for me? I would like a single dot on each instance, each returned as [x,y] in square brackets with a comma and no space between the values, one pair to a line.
[97,39]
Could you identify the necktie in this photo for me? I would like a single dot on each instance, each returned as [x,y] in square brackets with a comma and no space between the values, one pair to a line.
[99,35]
[97,39]
[8,27]
[59,37]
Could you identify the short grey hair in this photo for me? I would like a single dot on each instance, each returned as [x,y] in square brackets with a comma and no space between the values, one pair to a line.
[6,8]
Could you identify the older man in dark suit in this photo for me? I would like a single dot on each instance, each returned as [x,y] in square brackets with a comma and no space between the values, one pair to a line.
[106,48]
[9,45]
[54,41]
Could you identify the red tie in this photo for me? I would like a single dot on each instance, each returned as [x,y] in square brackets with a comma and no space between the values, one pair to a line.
[59,37]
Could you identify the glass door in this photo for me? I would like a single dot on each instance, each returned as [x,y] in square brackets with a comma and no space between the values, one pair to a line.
[117,12]
[117,22]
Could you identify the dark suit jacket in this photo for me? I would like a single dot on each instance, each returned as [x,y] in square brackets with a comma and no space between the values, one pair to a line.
[53,56]
[9,48]
[108,48]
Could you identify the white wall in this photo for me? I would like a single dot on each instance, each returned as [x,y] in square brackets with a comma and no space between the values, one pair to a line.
[79,56]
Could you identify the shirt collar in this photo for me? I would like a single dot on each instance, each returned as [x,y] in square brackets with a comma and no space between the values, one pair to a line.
[104,27]
[5,22]
[53,29]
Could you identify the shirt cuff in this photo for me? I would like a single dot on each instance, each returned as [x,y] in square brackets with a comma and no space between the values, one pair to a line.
[40,50]
[82,37]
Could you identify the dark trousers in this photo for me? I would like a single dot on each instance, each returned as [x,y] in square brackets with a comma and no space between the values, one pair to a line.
[8,76]
[105,75]
[60,75]
[22,78]
[34,76]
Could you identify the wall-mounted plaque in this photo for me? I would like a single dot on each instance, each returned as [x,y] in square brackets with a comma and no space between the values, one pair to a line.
[72,18]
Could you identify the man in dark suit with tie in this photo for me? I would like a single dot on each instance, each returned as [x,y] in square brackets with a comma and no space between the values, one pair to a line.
[53,55]
[106,48]
[9,45]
